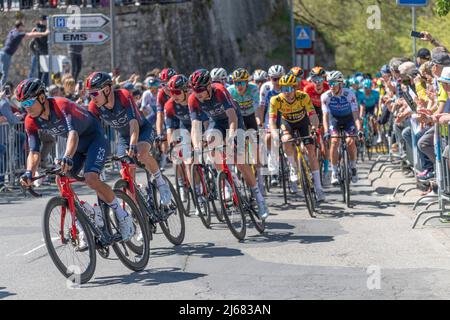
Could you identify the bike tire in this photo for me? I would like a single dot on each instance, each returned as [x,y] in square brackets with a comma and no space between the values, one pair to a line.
[177,218]
[187,206]
[283,169]
[204,209]
[307,192]
[346,179]
[86,275]
[222,181]
[211,182]
[123,249]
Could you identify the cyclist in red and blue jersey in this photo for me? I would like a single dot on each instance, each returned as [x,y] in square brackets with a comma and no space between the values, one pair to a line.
[118,109]
[161,99]
[86,143]
[215,102]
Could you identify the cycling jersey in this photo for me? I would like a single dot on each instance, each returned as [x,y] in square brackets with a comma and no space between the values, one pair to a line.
[339,106]
[302,84]
[263,91]
[269,96]
[371,101]
[291,112]
[65,116]
[123,111]
[161,100]
[249,101]
[310,89]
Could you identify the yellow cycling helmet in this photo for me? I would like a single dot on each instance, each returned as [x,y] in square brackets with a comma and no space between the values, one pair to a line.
[240,74]
[288,80]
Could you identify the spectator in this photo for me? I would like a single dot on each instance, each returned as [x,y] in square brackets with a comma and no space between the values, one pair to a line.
[75,54]
[11,45]
[39,47]
[55,91]
[69,86]
[66,69]
[148,104]
[427,37]
[423,55]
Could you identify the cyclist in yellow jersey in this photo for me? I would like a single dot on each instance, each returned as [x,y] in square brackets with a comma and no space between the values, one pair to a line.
[297,113]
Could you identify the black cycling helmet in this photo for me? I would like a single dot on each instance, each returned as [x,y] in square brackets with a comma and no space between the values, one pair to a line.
[97,81]
[200,78]
[29,88]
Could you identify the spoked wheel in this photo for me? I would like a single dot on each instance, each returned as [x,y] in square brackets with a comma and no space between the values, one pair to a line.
[173,226]
[134,253]
[284,174]
[201,200]
[305,182]
[231,206]
[260,224]
[346,179]
[210,178]
[63,241]
[183,189]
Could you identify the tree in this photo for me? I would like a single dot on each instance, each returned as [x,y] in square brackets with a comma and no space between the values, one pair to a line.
[442,7]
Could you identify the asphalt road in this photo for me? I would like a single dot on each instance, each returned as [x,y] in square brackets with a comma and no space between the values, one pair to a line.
[367,252]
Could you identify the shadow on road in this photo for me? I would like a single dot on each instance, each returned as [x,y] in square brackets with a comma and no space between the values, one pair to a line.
[151,277]
[287,237]
[200,250]
[5,294]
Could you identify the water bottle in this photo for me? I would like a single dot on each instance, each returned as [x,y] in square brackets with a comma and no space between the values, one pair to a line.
[98,217]
[89,210]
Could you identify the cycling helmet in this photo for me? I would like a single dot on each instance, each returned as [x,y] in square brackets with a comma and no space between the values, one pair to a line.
[276,71]
[219,74]
[178,82]
[297,71]
[166,74]
[29,88]
[97,81]
[335,76]
[367,84]
[288,80]
[318,71]
[260,75]
[352,81]
[241,74]
[200,78]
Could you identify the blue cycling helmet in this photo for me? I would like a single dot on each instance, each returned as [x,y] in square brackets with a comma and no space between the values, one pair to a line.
[358,74]
[385,69]
[367,84]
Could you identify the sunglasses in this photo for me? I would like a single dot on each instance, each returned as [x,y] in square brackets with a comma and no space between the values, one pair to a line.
[317,80]
[334,83]
[176,92]
[200,89]
[287,89]
[240,83]
[95,93]
[275,79]
[28,103]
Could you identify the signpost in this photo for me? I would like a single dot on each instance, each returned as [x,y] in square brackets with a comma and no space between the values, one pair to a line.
[85,29]
[304,44]
[303,37]
[413,4]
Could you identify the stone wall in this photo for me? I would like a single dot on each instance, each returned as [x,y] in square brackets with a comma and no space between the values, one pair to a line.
[198,33]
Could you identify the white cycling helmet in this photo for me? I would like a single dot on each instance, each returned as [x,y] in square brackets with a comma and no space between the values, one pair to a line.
[219,74]
[335,76]
[260,75]
[276,71]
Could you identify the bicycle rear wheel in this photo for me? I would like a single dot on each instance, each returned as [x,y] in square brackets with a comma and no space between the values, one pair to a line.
[173,227]
[201,200]
[284,174]
[134,253]
[231,206]
[183,189]
[63,243]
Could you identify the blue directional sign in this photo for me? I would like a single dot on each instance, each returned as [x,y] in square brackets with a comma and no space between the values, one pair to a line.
[412,3]
[303,37]
[60,22]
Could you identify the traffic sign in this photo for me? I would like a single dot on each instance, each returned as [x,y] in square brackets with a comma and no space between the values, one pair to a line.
[412,3]
[83,37]
[81,21]
[303,37]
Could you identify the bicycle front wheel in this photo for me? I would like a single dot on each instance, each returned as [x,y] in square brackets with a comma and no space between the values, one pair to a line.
[184,188]
[201,200]
[307,188]
[231,207]
[63,237]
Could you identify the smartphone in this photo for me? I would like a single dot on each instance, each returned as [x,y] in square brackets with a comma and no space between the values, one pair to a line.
[416,34]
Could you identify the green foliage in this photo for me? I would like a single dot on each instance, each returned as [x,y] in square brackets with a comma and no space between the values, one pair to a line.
[343,25]
[442,7]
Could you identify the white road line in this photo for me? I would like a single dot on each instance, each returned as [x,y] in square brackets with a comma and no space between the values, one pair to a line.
[39,247]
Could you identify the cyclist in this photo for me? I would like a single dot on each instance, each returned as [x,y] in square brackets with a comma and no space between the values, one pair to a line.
[318,72]
[117,109]
[148,104]
[340,108]
[247,96]
[297,113]
[260,77]
[267,91]
[369,105]
[162,98]
[86,143]
[315,90]
[219,75]
[299,73]
[214,100]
